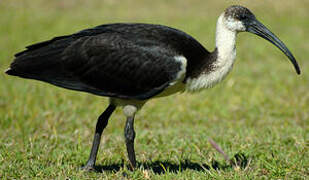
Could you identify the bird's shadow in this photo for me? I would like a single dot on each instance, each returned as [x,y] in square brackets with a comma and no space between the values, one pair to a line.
[161,167]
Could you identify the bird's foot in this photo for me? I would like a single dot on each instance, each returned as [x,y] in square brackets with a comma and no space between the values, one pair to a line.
[90,168]
[132,166]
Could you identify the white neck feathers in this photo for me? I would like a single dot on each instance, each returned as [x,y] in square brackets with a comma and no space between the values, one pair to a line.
[225,42]
[226,49]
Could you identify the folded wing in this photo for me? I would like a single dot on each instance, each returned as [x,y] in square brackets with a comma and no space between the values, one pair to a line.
[104,64]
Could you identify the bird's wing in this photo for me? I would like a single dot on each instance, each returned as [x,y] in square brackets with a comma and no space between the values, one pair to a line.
[133,61]
[110,65]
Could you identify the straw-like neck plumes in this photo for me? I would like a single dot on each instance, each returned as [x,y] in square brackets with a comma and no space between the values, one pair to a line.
[225,57]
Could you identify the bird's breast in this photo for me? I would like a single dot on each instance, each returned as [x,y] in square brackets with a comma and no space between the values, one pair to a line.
[221,67]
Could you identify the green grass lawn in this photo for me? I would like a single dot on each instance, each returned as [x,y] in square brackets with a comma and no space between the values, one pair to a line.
[260,110]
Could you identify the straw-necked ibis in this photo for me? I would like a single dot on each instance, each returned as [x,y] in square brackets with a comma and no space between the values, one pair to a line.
[131,63]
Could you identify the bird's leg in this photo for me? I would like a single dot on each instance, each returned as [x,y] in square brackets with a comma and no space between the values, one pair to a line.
[129,133]
[101,124]
[129,136]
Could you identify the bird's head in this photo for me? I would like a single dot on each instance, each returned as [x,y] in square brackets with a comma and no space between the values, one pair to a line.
[240,19]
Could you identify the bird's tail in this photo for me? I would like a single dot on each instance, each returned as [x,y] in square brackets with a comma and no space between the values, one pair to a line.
[40,61]
[35,66]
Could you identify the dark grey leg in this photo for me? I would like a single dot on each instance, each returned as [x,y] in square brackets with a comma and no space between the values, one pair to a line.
[129,135]
[101,124]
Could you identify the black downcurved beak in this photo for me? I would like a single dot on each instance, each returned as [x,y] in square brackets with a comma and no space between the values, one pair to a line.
[259,29]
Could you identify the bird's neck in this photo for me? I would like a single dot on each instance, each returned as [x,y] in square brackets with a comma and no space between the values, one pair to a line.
[222,59]
[225,44]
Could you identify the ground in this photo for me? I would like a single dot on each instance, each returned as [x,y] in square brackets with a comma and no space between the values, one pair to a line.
[260,111]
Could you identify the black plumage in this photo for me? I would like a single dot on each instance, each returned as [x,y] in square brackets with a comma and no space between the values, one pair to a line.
[131,61]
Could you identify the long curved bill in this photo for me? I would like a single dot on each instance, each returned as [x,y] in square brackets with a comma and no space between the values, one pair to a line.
[259,29]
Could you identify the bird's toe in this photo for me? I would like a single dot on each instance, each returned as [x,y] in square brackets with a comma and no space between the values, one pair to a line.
[90,168]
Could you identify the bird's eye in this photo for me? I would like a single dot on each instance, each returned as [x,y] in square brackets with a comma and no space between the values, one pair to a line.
[242,17]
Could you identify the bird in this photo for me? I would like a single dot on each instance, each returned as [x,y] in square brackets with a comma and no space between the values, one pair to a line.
[131,63]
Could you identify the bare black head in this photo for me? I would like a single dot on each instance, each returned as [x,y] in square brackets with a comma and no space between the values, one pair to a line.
[240,19]
[239,13]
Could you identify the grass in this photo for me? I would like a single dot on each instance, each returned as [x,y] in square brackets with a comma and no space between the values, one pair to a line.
[260,110]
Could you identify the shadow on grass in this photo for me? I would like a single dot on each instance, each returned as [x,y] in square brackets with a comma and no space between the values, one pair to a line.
[161,167]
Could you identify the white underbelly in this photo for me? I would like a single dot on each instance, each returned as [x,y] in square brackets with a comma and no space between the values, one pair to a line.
[177,87]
